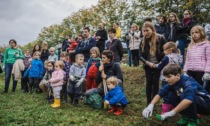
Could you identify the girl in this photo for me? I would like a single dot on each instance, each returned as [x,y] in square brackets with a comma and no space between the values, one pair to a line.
[198,56]
[36,48]
[35,72]
[173,24]
[151,52]
[134,43]
[11,54]
[44,52]
[172,56]
[56,82]
[92,68]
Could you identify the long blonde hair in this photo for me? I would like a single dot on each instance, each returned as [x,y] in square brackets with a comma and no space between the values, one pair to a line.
[201,30]
[153,38]
[176,18]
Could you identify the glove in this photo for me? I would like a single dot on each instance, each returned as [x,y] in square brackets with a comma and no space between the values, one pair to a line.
[168,114]
[79,83]
[206,77]
[72,78]
[148,111]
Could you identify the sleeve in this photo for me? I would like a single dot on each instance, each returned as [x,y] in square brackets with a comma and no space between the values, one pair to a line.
[141,57]
[5,56]
[57,78]
[118,35]
[77,49]
[190,89]
[117,71]
[186,61]
[41,69]
[71,72]
[207,68]
[107,96]
[83,73]
[120,49]
[98,79]
[56,58]
[104,36]
[87,48]
[164,91]
[163,63]
[21,56]
[26,73]
[116,98]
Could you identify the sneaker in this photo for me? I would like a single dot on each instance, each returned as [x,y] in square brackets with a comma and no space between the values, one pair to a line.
[183,121]
[193,122]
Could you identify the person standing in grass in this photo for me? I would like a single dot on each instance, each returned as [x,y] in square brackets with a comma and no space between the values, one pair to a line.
[44,52]
[189,97]
[11,54]
[151,53]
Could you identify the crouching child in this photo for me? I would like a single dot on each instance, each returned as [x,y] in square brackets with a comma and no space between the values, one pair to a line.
[115,97]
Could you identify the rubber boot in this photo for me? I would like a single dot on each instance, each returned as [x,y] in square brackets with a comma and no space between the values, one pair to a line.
[119,111]
[166,108]
[57,103]
[113,109]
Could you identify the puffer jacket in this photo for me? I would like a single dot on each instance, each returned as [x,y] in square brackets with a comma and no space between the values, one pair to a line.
[198,58]
[134,40]
[37,68]
[57,78]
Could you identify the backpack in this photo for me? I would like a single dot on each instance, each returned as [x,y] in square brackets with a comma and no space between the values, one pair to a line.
[95,100]
[92,71]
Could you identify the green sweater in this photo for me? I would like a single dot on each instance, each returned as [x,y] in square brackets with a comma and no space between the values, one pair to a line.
[9,55]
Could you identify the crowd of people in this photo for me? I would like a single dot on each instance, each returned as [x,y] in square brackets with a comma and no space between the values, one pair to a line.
[77,67]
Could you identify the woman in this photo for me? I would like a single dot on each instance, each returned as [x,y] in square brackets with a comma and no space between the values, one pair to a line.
[184,32]
[106,70]
[134,42]
[44,52]
[151,52]
[161,27]
[36,48]
[11,54]
[114,45]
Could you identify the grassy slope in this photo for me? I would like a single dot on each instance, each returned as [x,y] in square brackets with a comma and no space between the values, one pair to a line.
[32,109]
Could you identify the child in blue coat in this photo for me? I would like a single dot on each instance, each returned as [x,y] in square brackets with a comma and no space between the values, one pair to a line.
[115,97]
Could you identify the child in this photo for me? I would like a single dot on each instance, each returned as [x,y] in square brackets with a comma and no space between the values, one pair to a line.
[77,76]
[115,97]
[64,57]
[172,56]
[92,68]
[56,82]
[58,49]
[198,56]
[52,56]
[72,47]
[25,81]
[189,97]
[35,72]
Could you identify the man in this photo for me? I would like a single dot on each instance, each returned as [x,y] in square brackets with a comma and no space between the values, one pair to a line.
[189,97]
[86,44]
[65,44]
[101,37]
[118,30]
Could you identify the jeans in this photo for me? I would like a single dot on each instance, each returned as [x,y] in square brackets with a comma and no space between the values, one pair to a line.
[8,72]
[135,57]
[129,57]
[183,43]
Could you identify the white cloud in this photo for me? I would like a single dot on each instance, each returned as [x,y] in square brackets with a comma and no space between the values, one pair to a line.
[23,19]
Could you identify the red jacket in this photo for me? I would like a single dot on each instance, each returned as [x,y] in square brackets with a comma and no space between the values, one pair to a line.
[73,45]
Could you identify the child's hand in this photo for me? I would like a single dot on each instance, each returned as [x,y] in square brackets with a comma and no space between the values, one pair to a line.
[107,102]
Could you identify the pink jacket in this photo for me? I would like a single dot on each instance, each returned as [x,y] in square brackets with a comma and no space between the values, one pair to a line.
[198,58]
[57,78]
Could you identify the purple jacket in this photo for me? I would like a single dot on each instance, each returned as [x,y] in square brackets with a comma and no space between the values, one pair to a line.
[198,58]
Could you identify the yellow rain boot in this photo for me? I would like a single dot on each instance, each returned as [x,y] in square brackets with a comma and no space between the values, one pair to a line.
[57,103]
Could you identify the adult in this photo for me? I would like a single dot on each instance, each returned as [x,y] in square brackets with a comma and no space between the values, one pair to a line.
[109,69]
[118,30]
[173,25]
[147,19]
[11,54]
[65,43]
[114,45]
[134,43]
[86,44]
[150,53]
[101,37]
[44,52]
[189,97]
[161,27]
[184,32]
[36,48]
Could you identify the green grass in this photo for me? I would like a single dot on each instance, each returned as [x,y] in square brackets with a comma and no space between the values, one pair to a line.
[33,109]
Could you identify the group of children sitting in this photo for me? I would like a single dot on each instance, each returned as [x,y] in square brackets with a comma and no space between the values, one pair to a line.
[59,79]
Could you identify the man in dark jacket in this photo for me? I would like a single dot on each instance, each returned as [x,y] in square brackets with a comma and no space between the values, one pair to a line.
[86,44]
[65,43]
[101,37]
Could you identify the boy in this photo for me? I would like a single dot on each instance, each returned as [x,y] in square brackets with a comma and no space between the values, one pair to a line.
[189,97]
[115,97]
[64,57]
[52,56]
[77,75]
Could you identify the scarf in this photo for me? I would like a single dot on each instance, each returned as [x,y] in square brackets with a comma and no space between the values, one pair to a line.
[186,21]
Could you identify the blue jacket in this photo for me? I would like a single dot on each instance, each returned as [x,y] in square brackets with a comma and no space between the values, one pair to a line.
[116,95]
[36,69]
[185,88]
[84,47]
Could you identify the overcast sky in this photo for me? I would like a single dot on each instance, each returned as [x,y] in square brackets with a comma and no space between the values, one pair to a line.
[23,20]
